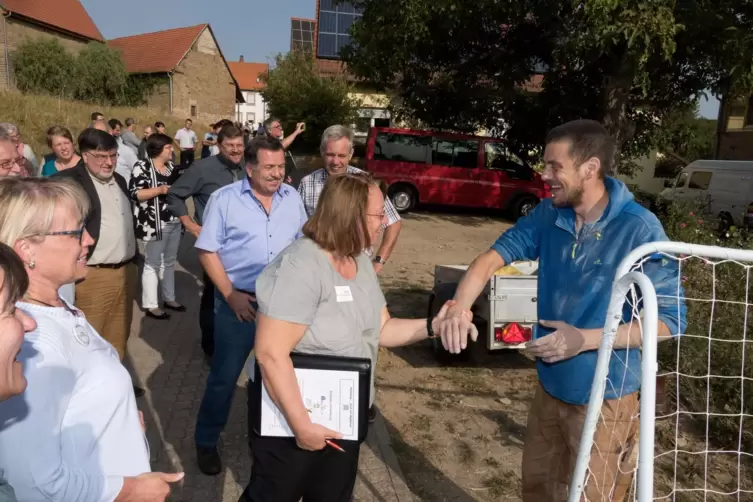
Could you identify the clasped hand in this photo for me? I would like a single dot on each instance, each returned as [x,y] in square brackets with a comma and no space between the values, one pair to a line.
[455,327]
[565,342]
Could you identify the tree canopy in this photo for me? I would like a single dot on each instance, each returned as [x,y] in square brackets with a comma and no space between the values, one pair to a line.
[627,63]
[295,92]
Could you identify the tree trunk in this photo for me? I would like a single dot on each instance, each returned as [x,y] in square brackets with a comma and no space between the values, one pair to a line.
[616,99]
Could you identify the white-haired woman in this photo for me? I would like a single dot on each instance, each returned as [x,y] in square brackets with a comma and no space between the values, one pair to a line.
[75,432]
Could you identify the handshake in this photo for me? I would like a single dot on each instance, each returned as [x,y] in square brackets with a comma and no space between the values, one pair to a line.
[454,326]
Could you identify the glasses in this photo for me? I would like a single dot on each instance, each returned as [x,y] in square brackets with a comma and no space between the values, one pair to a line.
[100,157]
[8,164]
[380,215]
[79,234]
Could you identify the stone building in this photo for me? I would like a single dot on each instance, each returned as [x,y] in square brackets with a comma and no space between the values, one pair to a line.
[64,20]
[734,139]
[193,77]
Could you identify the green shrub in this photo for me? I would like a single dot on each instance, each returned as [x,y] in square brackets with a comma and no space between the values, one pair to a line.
[727,321]
[97,74]
[44,67]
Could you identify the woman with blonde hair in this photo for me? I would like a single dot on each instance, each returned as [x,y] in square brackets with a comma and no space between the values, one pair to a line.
[75,432]
[321,296]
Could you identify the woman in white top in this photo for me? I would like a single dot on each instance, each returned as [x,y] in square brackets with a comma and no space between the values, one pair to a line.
[75,433]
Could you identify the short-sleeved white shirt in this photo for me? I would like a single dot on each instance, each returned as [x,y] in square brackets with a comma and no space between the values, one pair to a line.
[186,138]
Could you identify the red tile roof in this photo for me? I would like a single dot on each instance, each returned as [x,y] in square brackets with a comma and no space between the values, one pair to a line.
[66,15]
[247,74]
[157,52]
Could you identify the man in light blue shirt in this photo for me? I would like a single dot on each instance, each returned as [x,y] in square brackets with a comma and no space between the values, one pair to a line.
[245,226]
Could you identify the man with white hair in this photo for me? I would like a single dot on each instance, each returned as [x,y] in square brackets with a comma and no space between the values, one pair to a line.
[337,150]
[31,166]
[11,164]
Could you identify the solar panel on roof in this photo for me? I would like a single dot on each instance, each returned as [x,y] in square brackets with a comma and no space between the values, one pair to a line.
[302,35]
[335,20]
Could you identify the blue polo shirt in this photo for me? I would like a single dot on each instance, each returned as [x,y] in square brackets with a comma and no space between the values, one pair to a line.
[237,227]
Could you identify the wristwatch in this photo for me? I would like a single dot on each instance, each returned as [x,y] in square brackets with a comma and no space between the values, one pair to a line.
[380,260]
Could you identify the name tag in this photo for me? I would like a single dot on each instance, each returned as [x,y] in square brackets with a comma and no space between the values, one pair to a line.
[343,294]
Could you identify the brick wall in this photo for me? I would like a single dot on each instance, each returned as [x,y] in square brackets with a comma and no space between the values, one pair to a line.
[16,31]
[202,79]
[736,145]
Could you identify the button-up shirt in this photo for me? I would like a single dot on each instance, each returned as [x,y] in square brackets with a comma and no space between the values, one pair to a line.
[245,237]
[199,182]
[312,185]
[117,242]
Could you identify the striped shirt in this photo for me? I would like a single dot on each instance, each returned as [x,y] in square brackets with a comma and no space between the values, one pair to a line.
[311,187]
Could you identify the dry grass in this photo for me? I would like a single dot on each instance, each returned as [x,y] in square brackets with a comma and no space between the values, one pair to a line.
[35,114]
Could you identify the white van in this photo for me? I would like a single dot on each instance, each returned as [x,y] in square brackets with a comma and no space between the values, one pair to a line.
[723,187]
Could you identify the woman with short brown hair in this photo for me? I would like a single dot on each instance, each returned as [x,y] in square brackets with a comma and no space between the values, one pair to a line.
[321,296]
[64,156]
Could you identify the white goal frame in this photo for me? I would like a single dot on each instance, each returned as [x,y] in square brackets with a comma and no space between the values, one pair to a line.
[625,279]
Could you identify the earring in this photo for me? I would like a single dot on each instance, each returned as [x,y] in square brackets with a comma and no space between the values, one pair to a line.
[32,264]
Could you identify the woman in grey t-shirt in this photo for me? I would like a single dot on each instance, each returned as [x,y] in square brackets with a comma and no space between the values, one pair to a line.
[321,296]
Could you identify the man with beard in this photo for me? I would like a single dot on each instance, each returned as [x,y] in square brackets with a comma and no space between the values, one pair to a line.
[245,226]
[200,181]
[579,236]
[106,295]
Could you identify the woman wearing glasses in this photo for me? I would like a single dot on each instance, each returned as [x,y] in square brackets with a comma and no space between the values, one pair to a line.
[75,433]
[156,226]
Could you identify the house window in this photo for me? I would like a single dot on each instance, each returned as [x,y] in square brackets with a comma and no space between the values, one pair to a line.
[251,118]
[251,98]
[193,110]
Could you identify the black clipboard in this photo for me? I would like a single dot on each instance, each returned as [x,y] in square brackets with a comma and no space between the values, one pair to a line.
[320,362]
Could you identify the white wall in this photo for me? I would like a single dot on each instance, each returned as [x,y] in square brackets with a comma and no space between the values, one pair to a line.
[254,105]
[644,179]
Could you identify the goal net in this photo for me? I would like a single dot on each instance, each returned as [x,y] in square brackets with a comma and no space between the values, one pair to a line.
[690,435]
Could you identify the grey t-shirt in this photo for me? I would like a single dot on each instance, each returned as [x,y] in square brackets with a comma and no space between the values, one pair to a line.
[343,317]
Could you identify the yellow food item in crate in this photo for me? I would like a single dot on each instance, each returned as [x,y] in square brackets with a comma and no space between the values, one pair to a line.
[508,270]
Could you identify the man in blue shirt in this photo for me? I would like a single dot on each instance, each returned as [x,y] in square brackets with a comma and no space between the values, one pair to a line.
[579,236]
[246,224]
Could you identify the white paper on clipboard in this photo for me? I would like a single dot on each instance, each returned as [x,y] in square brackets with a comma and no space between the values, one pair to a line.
[330,396]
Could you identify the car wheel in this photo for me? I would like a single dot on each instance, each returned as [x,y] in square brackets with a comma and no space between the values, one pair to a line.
[524,206]
[403,197]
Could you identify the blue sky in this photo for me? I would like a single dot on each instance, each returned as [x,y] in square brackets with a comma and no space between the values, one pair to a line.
[258,29]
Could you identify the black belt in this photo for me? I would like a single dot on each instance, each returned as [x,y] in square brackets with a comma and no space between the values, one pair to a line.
[113,265]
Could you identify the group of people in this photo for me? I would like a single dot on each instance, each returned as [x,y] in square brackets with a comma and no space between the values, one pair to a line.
[285,270]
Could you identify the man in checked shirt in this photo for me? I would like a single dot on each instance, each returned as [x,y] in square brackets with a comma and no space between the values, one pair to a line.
[337,150]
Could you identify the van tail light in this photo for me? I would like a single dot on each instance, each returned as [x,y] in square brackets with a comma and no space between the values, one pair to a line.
[750,208]
[512,333]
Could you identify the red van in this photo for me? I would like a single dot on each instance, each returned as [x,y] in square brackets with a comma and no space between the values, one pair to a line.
[424,167]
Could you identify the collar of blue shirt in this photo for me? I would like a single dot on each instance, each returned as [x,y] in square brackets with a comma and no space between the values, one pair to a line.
[283,191]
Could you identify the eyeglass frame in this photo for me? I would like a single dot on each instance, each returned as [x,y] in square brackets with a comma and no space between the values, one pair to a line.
[20,161]
[100,159]
[73,233]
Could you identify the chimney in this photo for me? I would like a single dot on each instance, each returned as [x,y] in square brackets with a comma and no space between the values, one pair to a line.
[241,59]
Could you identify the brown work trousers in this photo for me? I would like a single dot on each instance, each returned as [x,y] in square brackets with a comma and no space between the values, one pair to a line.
[106,298]
[551,446]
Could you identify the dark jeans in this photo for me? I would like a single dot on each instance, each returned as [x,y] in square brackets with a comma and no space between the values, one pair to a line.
[282,472]
[233,341]
[186,158]
[206,316]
